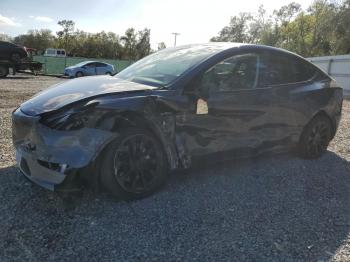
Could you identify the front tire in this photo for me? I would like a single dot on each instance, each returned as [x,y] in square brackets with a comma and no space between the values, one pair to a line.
[134,165]
[79,74]
[315,137]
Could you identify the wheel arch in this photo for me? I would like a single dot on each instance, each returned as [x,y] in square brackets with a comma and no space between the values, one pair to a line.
[161,126]
[323,113]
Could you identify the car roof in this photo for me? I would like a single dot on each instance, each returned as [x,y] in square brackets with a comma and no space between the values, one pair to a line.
[88,62]
[219,47]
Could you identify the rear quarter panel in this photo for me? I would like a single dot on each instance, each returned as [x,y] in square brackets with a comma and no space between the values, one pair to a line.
[314,98]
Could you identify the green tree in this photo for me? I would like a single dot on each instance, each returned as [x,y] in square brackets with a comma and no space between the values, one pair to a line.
[143,46]
[342,29]
[38,39]
[65,35]
[236,31]
[322,29]
[161,46]
[129,41]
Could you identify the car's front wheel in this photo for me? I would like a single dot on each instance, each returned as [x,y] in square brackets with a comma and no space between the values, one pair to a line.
[315,138]
[134,165]
[79,74]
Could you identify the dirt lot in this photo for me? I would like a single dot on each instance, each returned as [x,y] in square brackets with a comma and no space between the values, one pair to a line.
[277,208]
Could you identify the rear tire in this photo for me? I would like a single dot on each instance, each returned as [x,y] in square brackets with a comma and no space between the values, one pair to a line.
[134,165]
[315,138]
[4,71]
[79,74]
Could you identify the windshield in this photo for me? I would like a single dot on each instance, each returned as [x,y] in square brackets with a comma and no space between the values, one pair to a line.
[82,63]
[163,67]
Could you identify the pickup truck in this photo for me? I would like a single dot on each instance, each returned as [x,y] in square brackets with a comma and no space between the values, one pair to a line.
[16,58]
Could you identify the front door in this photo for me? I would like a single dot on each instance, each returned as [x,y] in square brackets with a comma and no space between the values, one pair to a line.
[90,69]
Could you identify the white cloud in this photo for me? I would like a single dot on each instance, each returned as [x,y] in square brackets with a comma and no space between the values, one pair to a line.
[45,19]
[6,21]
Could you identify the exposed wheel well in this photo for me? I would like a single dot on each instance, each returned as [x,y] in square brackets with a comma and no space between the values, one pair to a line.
[130,120]
[121,122]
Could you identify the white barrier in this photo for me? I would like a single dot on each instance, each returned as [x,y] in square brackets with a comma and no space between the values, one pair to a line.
[336,66]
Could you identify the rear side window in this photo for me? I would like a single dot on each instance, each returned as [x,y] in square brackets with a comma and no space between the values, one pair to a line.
[280,69]
[304,70]
[100,65]
[58,52]
[90,65]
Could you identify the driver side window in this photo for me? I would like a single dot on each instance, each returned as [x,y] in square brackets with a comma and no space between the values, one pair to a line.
[235,73]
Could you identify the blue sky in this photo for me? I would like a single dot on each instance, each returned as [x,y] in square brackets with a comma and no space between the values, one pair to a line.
[196,20]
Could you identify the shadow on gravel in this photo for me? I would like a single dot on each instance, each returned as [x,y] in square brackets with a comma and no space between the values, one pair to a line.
[266,209]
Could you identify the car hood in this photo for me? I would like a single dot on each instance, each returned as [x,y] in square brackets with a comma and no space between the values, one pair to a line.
[75,90]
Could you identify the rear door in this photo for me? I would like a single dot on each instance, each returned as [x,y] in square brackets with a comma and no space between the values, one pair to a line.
[290,80]
[101,68]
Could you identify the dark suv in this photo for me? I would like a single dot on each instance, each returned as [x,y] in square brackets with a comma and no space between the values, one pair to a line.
[175,106]
[12,52]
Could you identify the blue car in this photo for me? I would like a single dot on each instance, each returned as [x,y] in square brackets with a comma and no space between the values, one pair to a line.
[89,68]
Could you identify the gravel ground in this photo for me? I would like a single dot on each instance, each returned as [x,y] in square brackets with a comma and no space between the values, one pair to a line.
[278,208]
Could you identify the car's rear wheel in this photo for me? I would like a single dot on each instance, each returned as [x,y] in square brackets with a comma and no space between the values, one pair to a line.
[79,74]
[315,137]
[134,165]
[4,71]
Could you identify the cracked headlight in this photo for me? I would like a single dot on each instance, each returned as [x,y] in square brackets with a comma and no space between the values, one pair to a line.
[66,120]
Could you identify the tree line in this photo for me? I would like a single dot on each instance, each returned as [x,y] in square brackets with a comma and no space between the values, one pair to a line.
[132,45]
[322,29]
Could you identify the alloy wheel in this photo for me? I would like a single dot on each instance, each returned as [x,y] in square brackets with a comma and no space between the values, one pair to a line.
[136,166]
[318,138]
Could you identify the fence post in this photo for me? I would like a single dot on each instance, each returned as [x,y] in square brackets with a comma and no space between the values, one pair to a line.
[329,66]
[45,66]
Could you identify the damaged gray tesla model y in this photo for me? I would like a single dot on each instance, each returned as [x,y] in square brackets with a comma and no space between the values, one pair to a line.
[125,133]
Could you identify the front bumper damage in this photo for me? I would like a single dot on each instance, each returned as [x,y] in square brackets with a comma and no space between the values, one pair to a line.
[52,158]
